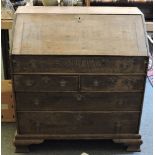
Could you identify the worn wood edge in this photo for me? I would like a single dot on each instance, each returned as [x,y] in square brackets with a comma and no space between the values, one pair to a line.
[27,141]
[15,53]
[96,111]
[78,10]
[66,74]
[128,141]
[82,91]
[76,136]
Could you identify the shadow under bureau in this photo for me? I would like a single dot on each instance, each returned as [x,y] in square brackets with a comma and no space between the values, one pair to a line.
[78,73]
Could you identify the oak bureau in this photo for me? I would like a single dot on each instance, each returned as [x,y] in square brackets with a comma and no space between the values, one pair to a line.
[78,73]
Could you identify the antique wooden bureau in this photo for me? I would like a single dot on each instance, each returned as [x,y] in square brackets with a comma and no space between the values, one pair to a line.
[78,73]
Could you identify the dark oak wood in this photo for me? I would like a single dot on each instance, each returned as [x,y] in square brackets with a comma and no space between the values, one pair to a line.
[76,136]
[75,80]
[112,83]
[133,145]
[45,83]
[78,101]
[22,141]
[78,64]
[77,122]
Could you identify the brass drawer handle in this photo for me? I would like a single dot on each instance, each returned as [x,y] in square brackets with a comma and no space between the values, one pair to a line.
[36,102]
[29,83]
[33,64]
[103,62]
[118,127]
[79,97]
[14,62]
[119,102]
[96,83]
[62,83]
[46,79]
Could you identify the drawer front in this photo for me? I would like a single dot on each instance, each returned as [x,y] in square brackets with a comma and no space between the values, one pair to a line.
[79,64]
[112,83]
[78,101]
[38,83]
[77,122]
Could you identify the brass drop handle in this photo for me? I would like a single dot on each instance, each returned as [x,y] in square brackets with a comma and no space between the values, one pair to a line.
[103,61]
[79,97]
[118,127]
[119,102]
[36,102]
[33,64]
[46,79]
[14,62]
[96,83]
[62,83]
[29,83]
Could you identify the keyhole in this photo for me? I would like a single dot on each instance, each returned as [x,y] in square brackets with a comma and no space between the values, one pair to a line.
[79,20]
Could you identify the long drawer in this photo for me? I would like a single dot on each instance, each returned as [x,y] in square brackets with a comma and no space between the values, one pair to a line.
[45,83]
[78,64]
[66,101]
[112,83]
[77,122]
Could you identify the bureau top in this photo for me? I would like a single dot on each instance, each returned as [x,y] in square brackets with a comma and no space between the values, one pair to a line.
[79,31]
[78,10]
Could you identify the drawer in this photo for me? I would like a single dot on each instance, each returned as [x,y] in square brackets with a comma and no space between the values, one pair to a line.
[65,101]
[78,122]
[36,83]
[79,64]
[112,83]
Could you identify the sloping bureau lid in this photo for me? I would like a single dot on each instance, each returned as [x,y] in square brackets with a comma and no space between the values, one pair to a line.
[79,31]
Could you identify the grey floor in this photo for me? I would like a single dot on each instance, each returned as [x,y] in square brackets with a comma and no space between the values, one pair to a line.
[91,148]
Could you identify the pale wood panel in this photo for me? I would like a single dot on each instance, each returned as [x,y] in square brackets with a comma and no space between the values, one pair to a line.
[79,35]
[78,10]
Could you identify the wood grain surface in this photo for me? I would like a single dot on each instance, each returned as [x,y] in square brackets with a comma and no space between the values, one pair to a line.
[77,122]
[78,101]
[78,10]
[79,34]
[79,64]
[45,83]
[112,83]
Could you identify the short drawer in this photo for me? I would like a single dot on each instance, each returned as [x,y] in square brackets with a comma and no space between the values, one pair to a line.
[36,83]
[112,83]
[77,122]
[79,64]
[65,101]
